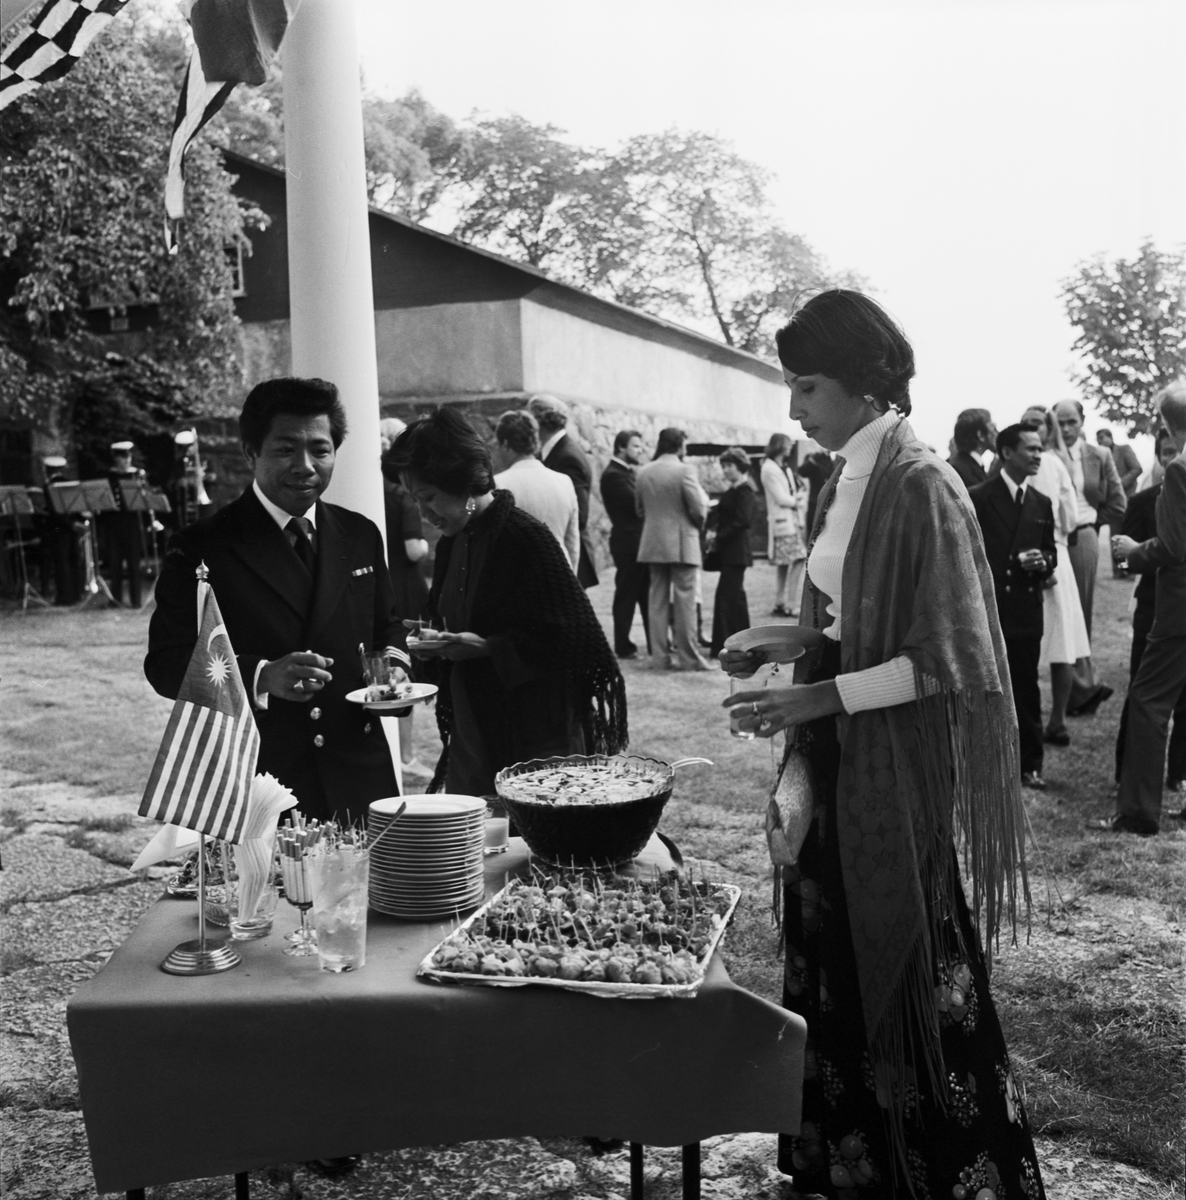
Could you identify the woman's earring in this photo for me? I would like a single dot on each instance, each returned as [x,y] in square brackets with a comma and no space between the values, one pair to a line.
[869,399]
[470,505]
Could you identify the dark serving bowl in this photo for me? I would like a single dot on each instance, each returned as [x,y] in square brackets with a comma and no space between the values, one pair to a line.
[599,834]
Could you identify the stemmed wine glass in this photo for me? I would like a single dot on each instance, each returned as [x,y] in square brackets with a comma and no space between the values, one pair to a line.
[298,889]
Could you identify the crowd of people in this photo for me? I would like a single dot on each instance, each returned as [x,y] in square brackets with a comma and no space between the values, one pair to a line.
[1042,501]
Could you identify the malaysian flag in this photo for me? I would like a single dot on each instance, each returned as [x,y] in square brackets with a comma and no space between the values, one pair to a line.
[53,43]
[203,771]
[234,41]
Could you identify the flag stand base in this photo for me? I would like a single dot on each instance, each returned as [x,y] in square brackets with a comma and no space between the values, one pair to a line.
[201,957]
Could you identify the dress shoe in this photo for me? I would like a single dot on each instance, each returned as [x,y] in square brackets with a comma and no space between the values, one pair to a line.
[1088,707]
[1121,825]
[1056,737]
[1180,815]
[331,1168]
[1033,779]
[780,610]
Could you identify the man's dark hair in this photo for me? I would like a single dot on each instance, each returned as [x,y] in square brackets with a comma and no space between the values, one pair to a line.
[291,397]
[445,451]
[518,430]
[970,426]
[622,439]
[1009,438]
[848,337]
[737,456]
[671,441]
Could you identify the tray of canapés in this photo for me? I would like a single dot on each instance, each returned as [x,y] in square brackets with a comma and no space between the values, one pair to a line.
[589,932]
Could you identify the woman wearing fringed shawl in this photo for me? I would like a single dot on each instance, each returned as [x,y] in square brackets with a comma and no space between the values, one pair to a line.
[903,728]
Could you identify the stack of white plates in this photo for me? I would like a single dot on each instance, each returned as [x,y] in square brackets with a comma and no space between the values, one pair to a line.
[431,863]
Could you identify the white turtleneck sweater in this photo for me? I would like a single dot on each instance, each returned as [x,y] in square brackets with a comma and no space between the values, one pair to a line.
[892,682]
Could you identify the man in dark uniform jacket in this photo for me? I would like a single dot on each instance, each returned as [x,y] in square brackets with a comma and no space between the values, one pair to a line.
[632,579]
[1017,522]
[974,433]
[301,586]
[559,452]
[123,529]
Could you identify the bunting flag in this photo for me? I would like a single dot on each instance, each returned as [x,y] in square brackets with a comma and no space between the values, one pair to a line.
[203,771]
[52,44]
[234,41]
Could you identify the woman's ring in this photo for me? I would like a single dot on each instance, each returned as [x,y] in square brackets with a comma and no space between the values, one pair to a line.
[299,686]
[754,706]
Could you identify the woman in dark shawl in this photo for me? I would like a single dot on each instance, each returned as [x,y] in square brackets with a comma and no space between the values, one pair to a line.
[902,744]
[526,671]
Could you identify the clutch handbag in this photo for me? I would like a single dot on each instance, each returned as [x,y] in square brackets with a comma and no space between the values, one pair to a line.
[791,808]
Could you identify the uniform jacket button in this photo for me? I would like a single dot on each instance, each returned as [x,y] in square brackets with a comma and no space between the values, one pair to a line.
[319,741]
[314,714]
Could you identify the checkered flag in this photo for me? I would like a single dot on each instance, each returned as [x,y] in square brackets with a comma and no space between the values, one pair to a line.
[52,44]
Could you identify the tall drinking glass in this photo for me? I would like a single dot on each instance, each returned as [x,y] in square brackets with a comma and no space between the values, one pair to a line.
[339,875]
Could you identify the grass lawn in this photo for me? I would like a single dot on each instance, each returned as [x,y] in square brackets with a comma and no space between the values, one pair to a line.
[1091,1003]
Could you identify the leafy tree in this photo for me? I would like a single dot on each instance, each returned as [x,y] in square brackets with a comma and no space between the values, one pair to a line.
[81,168]
[1131,323]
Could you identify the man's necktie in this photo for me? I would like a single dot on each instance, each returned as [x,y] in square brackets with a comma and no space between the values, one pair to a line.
[299,529]
[1019,499]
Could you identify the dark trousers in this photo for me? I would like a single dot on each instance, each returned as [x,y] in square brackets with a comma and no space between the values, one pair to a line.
[122,550]
[1024,657]
[1155,691]
[1175,769]
[730,612]
[632,585]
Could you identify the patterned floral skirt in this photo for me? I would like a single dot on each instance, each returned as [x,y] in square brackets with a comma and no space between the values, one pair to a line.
[979,1146]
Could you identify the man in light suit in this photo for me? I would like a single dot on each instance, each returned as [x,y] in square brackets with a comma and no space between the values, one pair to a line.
[560,452]
[546,494]
[673,507]
[1101,502]
[632,579]
[1018,526]
[1128,466]
[301,585]
[1162,674]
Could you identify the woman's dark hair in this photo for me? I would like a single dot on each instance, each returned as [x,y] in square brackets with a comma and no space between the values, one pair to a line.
[737,456]
[847,337]
[778,445]
[291,397]
[518,430]
[444,450]
[671,441]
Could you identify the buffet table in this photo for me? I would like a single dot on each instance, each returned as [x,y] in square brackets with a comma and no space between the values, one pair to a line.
[277,1061]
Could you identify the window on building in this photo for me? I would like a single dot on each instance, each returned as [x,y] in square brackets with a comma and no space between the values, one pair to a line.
[235,254]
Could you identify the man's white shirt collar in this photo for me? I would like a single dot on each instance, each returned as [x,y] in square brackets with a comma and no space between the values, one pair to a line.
[277,513]
[546,448]
[1012,486]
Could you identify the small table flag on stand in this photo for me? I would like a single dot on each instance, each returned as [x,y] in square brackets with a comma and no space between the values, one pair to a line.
[205,766]
[203,771]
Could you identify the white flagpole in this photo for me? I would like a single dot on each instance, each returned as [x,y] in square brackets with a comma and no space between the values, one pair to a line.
[329,261]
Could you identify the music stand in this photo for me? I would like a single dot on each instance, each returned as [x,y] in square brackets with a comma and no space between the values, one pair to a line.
[84,499]
[15,502]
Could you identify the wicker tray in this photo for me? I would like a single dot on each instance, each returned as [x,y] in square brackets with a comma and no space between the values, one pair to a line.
[615,991]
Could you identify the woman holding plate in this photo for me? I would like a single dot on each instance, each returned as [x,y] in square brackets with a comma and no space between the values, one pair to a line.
[523,666]
[906,723]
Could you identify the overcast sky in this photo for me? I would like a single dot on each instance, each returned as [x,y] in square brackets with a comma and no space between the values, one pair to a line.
[963,155]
